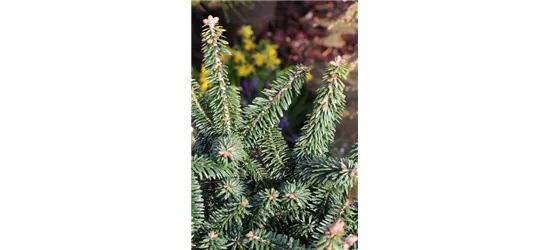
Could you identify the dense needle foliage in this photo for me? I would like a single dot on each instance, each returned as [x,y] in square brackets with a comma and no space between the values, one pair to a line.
[249,189]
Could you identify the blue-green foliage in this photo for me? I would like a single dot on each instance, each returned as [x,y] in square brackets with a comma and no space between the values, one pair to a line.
[250,190]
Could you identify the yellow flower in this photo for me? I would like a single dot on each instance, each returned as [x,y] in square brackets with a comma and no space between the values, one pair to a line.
[203,81]
[272,62]
[238,57]
[246,31]
[245,70]
[204,86]
[270,50]
[308,76]
[259,59]
[249,44]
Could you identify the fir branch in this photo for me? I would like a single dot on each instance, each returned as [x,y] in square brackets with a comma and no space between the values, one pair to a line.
[295,202]
[266,112]
[226,101]
[203,141]
[345,212]
[327,198]
[199,118]
[353,154]
[307,227]
[318,132]
[230,188]
[213,242]
[274,151]
[253,171]
[228,149]
[333,237]
[295,194]
[236,240]
[261,239]
[197,205]
[349,215]
[230,215]
[264,206]
[302,195]
[322,224]
[342,173]
[207,169]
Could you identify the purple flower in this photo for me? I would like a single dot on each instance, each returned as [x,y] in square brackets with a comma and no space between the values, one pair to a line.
[254,93]
[294,137]
[245,86]
[254,86]
[284,123]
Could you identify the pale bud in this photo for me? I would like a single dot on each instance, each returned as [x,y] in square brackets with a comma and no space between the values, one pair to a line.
[212,235]
[348,203]
[336,228]
[273,196]
[291,196]
[354,173]
[250,236]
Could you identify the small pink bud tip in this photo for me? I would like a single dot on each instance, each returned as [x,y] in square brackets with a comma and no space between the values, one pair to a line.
[273,196]
[347,203]
[212,235]
[354,173]
[351,239]
[250,236]
[337,228]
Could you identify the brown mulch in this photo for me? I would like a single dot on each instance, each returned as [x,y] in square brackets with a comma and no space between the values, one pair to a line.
[298,27]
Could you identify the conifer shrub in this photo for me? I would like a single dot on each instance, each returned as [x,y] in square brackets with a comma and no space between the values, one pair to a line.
[250,190]
[252,65]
